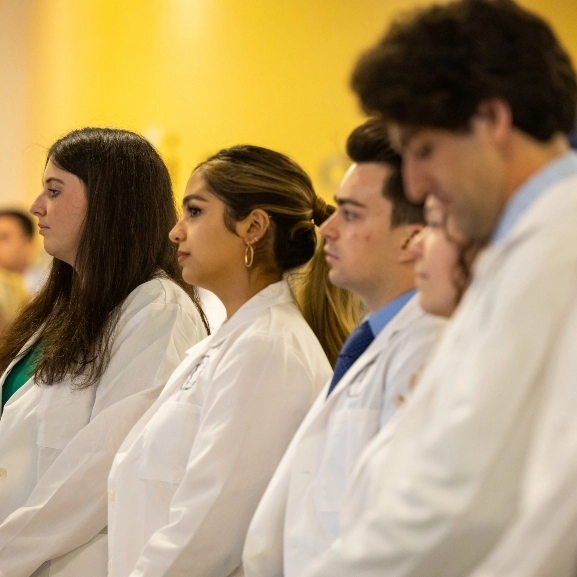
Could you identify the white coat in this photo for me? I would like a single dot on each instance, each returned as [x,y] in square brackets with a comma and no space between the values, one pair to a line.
[57,443]
[188,478]
[542,539]
[447,483]
[298,517]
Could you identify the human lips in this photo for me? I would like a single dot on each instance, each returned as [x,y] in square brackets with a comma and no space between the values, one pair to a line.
[329,256]
[182,255]
[42,228]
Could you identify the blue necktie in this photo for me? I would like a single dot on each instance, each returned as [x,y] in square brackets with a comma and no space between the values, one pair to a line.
[355,345]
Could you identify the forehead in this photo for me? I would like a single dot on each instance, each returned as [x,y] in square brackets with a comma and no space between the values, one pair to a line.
[54,171]
[364,181]
[196,183]
[197,190]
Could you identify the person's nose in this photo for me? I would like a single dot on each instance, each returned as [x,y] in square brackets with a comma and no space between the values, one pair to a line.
[176,235]
[38,207]
[328,229]
[416,243]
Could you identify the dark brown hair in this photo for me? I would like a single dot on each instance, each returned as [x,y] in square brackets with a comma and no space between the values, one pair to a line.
[434,67]
[124,243]
[369,142]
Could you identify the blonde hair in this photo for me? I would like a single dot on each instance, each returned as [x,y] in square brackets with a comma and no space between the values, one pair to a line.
[249,177]
[333,312]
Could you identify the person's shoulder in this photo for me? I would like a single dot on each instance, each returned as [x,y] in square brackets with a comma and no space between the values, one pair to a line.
[412,320]
[161,290]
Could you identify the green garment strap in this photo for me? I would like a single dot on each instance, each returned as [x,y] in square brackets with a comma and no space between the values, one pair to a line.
[20,374]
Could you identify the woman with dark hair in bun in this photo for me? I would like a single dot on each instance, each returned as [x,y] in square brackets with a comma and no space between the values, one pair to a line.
[189,476]
[84,360]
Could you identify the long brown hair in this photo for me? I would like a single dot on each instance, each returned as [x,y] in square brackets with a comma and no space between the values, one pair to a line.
[124,243]
[247,177]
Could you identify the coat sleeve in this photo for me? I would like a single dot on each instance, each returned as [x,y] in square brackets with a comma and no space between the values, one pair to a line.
[257,398]
[68,506]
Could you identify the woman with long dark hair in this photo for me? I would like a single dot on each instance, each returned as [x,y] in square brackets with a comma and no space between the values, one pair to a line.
[188,477]
[90,353]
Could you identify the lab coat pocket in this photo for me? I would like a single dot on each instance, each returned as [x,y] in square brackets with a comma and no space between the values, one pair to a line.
[167,442]
[62,413]
[348,433]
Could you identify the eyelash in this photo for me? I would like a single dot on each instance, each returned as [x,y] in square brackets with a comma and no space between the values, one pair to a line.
[349,216]
[423,151]
[193,211]
[53,192]
[436,224]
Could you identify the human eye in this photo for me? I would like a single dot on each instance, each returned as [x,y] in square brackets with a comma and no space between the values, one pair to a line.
[435,223]
[423,150]
[53,192]
[192,210]
[349,215]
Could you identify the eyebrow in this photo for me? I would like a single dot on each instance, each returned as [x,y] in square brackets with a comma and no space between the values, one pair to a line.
[53,179]
[193,197]
[405,136]
[345,201]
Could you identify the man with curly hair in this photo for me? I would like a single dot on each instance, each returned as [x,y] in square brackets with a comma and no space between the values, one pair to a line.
[479,97]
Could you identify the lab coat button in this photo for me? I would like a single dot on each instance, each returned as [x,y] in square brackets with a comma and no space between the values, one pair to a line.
[111,495]
[3,473]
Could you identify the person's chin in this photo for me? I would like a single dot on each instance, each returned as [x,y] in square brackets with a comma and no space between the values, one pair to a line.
[188,277]
[337,279]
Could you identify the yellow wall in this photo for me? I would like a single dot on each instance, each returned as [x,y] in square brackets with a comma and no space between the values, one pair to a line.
[197,75]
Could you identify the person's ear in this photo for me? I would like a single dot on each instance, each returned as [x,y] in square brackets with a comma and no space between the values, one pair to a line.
[496,114]
[408,233]
[253,228]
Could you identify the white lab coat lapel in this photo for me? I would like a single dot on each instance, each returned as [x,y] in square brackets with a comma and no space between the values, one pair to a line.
[272,295]
[375,349]
[15,360]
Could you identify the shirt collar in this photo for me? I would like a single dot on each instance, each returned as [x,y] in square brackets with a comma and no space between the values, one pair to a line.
[274,294]
[564,167]
[380,319]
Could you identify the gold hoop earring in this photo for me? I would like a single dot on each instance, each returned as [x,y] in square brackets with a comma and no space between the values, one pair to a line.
[248,255]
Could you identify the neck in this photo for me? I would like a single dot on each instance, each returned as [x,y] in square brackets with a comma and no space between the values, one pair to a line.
[375,298]
[234,295]
[528,156]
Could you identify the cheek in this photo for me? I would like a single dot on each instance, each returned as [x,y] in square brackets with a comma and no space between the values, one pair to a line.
[440,255]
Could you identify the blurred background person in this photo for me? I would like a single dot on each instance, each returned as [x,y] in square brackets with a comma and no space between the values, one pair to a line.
[443,260]
[12,296]
[18,250]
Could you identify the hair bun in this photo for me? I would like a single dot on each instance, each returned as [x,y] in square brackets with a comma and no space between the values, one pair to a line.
[321,210]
